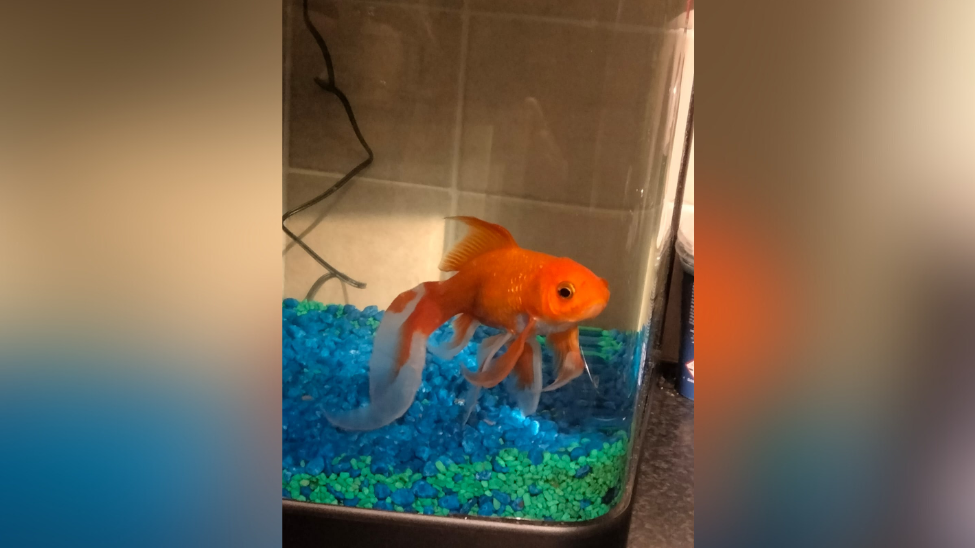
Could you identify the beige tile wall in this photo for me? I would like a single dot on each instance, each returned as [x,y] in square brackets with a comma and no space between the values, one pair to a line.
[535,114]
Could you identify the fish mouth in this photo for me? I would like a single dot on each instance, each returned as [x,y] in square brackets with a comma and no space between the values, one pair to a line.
[593,311]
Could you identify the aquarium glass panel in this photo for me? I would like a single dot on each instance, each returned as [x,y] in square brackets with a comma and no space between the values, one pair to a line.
[465,320]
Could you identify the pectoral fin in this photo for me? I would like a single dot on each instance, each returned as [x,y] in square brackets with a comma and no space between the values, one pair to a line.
[568,358]
[526,387]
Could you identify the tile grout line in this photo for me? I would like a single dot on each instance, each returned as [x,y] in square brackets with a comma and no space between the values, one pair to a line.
[587,23]
[286,106]
[556,205]
[449,229]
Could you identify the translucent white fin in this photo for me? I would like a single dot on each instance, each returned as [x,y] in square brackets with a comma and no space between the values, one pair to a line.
[571,367]
[489,347]
[453,346]
[470,401]
[527,397]
[390,393]
[493,371]
[485,354]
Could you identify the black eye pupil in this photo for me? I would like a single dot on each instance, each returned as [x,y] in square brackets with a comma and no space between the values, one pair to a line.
[564,292]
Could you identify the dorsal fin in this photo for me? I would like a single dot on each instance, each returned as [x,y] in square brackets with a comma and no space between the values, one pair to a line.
[481,237]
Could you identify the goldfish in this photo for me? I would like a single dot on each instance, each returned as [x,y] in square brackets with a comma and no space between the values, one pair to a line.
[525,294]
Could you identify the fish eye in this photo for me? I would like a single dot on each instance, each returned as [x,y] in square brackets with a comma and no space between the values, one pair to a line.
[566,290]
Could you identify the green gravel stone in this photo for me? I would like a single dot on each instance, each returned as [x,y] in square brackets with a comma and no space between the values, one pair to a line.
[440,466]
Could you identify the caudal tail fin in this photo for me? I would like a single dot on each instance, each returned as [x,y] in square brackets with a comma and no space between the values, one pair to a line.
[398,356]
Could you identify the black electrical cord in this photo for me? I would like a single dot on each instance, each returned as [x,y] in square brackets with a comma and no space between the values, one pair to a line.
[329,86]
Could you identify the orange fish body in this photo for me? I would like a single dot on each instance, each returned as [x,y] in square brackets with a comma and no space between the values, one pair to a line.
[524,293]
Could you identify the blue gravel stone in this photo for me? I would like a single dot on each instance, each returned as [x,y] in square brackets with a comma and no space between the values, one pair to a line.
[325,354]
[450,502]
[518,504]
[355,472]
[533,489]
[382,505]
[486,509]
[403,497]
[424,490]
[351,502]
[583,471]
[484,475]
[430,469]
[316,466]
[423,452]
[306,491]
[584,503]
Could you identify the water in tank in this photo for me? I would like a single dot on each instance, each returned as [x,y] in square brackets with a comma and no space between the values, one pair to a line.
[475,192]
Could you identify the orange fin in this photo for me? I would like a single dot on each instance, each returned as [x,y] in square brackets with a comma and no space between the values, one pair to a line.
[464,327]
[481,237]
[568,360]
[527,386]
[524,370]
[493,372]
[397,360]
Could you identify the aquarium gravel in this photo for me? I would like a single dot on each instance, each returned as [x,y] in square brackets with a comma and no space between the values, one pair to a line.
[566,462]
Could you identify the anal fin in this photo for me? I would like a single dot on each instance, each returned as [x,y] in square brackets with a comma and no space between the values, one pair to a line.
[464,327]
[494,372]
[526,387]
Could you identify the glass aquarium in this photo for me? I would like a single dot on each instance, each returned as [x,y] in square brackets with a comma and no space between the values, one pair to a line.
[475,197]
